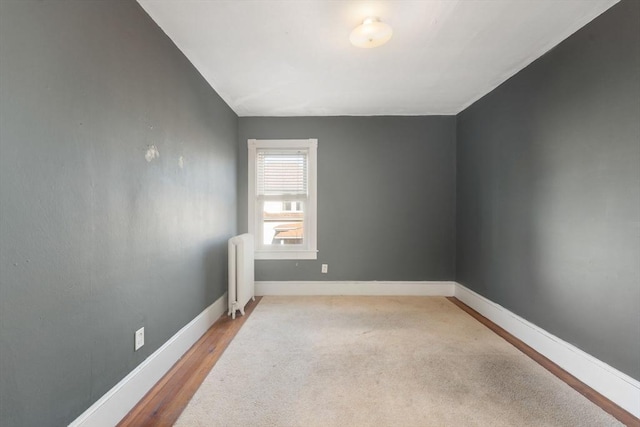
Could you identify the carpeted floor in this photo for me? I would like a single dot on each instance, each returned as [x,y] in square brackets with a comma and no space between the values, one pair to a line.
[379,361]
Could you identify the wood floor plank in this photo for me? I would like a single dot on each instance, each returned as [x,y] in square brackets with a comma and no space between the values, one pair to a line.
[164,403]
[619,413]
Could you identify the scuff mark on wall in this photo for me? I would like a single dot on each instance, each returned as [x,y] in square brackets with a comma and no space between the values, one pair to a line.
[152,153]
[181,162]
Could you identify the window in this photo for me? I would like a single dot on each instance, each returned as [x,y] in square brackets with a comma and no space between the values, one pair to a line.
[282,198]
[292,206]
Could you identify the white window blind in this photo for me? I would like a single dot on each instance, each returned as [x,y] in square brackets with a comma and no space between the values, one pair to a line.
[281,173]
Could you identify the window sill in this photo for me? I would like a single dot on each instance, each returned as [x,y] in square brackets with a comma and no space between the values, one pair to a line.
[286,255]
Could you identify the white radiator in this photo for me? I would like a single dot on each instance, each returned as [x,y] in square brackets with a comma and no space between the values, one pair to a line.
[241,279]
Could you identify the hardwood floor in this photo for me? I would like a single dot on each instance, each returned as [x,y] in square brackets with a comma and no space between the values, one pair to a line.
[164,403]
[167,399]
[619,413]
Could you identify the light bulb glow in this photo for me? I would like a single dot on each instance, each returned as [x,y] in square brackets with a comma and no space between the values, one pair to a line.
[372,33]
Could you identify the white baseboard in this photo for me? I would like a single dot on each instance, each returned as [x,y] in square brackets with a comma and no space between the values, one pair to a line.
[356,288]
[117,402]
[606,380]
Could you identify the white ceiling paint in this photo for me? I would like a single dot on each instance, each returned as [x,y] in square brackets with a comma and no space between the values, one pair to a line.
[293,58]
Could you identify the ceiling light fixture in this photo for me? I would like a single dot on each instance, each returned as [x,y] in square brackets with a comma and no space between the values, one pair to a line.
[372,33]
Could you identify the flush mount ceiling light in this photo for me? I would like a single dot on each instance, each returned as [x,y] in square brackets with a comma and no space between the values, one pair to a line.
[372,33]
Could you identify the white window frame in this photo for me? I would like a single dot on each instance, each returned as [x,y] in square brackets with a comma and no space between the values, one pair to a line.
[310,248]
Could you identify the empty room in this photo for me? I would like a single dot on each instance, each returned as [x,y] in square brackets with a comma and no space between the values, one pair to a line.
[319,213]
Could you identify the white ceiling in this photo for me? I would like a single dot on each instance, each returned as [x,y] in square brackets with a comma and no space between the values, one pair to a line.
[293,58]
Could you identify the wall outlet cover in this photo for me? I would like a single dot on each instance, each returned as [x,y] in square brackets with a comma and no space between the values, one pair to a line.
[139,342]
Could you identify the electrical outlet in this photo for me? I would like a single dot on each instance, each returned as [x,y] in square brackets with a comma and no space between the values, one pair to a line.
[139,339]
[325,268]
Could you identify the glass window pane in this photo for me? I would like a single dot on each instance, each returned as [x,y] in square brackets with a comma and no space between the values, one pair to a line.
[283,223]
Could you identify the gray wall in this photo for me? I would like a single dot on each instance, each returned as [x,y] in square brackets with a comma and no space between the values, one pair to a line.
[385,196]
[94,241]
[548,191]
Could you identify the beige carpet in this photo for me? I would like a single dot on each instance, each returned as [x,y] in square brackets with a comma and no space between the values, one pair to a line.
[379,361]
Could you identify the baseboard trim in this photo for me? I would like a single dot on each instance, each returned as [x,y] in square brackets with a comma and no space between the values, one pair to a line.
[603,378]
[425,288]
[117,402]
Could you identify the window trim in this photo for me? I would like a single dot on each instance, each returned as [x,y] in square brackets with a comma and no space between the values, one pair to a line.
[311,206]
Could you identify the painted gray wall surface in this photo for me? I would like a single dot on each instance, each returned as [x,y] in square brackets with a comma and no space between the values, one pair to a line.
[385,196]
[548,191]
[94,241]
